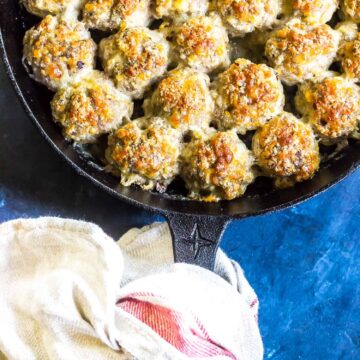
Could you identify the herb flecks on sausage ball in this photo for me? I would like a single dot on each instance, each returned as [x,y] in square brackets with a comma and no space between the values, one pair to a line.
[244,16]
[57,50]
[286,148]
[179,10]
[351,10]
[217,167]
[330,105]
[145,152]
[183,99]
[299,51]
[246,96]
[90,107]
[135,58]
[311,11]
[201,43]
[109,14]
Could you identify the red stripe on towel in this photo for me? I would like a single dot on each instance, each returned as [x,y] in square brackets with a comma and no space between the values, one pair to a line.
[253,303]
[185,333]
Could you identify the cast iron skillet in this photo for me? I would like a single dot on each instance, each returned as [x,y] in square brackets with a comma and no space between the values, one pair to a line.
[196,227]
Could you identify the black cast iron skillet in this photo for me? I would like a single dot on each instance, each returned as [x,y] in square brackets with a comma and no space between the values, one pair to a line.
[196,227]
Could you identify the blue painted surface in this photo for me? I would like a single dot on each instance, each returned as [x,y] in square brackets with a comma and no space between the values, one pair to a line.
[303,262]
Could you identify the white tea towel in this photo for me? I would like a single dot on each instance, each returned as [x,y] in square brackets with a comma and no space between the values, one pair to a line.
[68,291]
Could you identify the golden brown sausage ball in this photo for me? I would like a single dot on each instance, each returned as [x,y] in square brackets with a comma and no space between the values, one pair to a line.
[182,98]
[217,166]
[57,50]
[244,16]
[145,152]
[351,10]
[179,9]
[89,107]
[246,96]
[299,51]
[330,105]
[349,56]
[311,11]
[135,58]
[200,42]
[286,149]
[109,14]
[51,7]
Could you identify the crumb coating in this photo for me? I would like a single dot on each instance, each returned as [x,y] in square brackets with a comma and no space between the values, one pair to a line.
[244,16]
[134,58]
[183,99]
[201,43]
[246,96]
[298,51]
[145,152]
[179,10]
[50,7]
[57,50]
[311,11]
[331,106]
[349,56]
[109,14]
[90,107]
[217,167]
[286,148]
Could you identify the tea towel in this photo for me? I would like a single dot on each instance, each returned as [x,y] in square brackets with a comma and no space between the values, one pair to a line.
[69,291]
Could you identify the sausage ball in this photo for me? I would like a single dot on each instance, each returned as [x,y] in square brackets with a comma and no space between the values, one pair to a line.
[311,11]
[286,148]
[57,50]
[89,107]
[145,152]
[182,98]
[246,96]
[179,9]
[299,51]
[351,10]
[135,58]
[109,14]
[330,105]
[244,16]
[201,43]
[349,56]
[217,166]
[50,7]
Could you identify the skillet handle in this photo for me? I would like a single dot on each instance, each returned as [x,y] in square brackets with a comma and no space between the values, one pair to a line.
[196,238]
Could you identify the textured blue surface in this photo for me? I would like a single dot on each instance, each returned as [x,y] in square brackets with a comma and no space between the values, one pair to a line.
[303,262]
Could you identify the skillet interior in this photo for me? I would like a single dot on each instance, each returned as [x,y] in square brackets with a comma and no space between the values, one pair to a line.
[260,197]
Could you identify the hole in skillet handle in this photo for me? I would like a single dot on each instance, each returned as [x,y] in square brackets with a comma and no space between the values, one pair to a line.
[196,238]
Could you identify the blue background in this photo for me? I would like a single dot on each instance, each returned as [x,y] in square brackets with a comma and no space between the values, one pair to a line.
[303,262]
